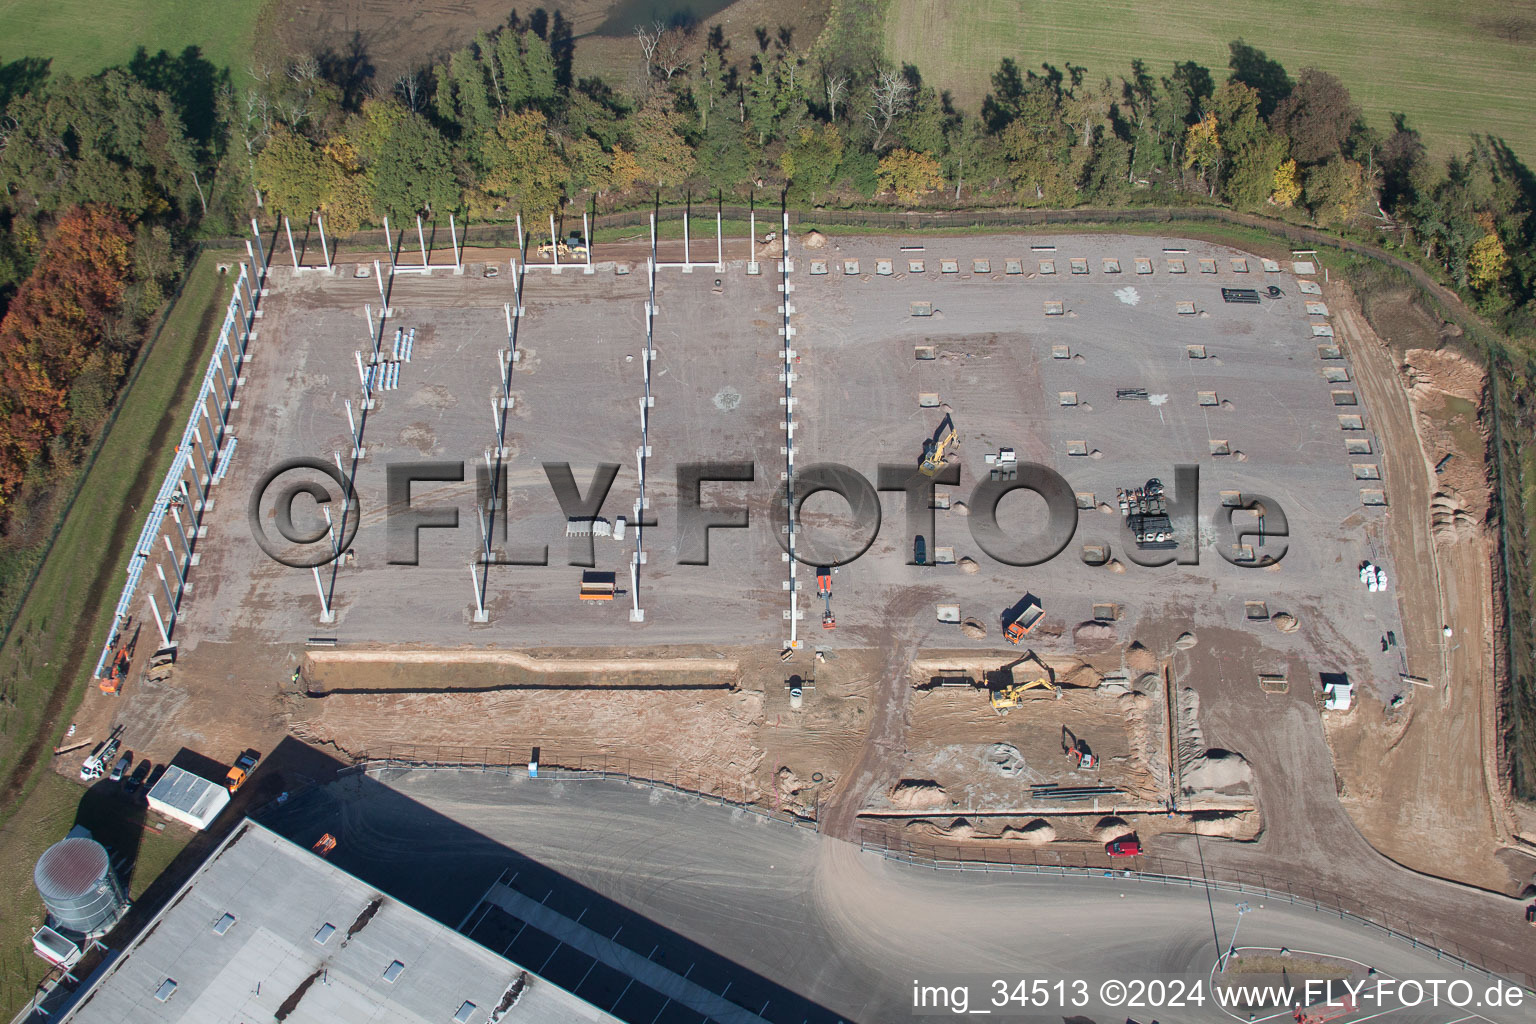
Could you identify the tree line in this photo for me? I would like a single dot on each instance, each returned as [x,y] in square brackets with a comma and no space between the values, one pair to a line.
[119,171]
[501,126]
[105,177]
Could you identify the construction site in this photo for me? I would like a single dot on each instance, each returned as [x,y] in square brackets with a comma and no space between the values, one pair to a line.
[1106,558]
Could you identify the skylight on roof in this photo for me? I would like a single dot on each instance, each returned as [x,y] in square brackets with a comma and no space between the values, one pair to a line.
[223,924]
[393,970]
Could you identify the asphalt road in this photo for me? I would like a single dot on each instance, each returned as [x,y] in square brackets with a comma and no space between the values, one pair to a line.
[847,930]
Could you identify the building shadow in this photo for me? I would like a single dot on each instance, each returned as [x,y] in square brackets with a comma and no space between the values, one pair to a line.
[512,904]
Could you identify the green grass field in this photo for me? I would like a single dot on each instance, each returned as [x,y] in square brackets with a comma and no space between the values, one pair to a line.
[49,812]
[46,662]
[1454,69]
[84,36]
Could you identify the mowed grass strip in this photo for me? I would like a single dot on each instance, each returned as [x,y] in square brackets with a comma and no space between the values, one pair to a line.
[50,810]
[46,663]
[84,36]
[1454,69]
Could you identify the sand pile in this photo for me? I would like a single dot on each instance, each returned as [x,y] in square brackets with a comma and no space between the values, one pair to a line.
[1140,660]
[1037,832]
[1185,641]
[1216,773]
[917,794]
[1450,518]
[1093,632]
[973,628]
[813,240]
[968,565]
[1285,622]
[1110,828]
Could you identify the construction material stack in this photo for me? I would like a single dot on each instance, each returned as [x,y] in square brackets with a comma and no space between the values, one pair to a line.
[1145,510]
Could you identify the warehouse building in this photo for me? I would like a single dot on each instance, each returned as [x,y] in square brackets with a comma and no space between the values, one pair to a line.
[267,930]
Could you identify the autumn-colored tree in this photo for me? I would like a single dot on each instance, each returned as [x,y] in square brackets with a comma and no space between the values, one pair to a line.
[1287,185]
[623,169]
[57,321]
[910,175]
[663,155]
[1487,261]
[1202,149]
[524,171]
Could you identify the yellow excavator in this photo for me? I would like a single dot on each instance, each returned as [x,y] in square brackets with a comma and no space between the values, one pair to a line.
[935,448]
[1012,695]
[1026,674]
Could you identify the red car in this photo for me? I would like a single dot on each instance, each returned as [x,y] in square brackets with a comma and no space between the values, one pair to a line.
[1130,846]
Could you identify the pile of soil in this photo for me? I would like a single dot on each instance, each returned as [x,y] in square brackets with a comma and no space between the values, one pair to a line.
[1037,833]
[1285,622]
[1216,773]
[1140,660]
[1089,632]
[973,628]
[968,565]
[1110,828]
[917,794]
[813,240]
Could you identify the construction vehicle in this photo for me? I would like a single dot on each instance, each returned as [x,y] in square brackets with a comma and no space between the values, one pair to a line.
[95,765]
[324,845]
[574,249]
[935,448]
[1011,696]
[1010,684]
[824,588]
[1080,756]
[243,766]
[1027,619]
[112,682]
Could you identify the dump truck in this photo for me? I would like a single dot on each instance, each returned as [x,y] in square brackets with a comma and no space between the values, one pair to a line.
[1028,619]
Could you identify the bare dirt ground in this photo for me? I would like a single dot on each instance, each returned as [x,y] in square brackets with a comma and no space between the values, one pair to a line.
[1436,813]
[1172,693]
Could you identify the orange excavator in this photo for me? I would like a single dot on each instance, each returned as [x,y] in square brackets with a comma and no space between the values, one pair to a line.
[112,682]
[824,588]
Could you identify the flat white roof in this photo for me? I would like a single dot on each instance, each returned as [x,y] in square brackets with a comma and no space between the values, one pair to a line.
[186,797]
[386,961]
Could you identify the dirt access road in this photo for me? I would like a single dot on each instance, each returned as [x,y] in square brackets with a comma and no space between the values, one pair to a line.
[1422,781]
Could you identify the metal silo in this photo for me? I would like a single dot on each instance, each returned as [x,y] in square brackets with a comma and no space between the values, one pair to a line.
[75,879]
